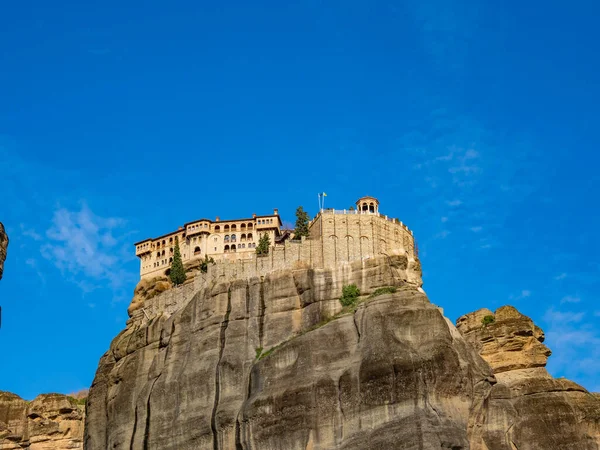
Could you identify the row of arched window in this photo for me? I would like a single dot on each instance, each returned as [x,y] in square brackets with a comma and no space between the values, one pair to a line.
[233,227]
[264,221]
[163,262]
[233,248]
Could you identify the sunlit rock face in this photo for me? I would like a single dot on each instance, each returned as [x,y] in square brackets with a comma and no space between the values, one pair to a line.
[528,408]
[49,422]
[274,363]
[3,248]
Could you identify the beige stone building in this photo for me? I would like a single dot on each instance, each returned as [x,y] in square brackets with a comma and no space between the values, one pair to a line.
[219,239]
[335,236]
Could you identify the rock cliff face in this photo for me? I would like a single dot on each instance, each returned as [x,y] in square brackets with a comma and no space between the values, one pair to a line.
[3,248]
[275,363]
[50,422]
[528,408]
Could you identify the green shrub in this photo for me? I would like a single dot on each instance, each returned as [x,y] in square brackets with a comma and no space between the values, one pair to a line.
[258,352]
[383,290]
[487,320]
[350,295]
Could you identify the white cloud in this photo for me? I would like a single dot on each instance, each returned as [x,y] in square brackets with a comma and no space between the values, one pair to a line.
[562,317]
[570,299]
[30,233]
[525,293]
[87,248]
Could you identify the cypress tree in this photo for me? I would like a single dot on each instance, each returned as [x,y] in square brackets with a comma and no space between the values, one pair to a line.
[301,223]
[177,273]
[263,245]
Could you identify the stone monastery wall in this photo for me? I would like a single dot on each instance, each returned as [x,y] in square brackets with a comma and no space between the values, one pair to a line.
[336,236]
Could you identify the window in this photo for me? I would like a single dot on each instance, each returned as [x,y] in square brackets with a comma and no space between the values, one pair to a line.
[249,226]
[226,228]
[233,238]
[249,235]
[217,229]
[233,227]
[196,250]
[233,248]
[226,238]
[226,249]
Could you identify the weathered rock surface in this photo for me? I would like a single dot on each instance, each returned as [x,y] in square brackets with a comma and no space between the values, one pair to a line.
[272,363]
[3,248]
[528,408]
[49,422]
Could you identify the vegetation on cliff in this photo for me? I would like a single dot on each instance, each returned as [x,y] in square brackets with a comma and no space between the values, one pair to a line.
[263,245]
[177,273]
[302,220]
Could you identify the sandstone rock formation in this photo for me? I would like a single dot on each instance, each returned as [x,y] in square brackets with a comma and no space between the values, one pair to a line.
[528,408]
[254,363]
[3,248]
[49,422]
[274,362]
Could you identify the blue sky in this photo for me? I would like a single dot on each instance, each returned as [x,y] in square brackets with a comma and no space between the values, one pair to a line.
[475,124]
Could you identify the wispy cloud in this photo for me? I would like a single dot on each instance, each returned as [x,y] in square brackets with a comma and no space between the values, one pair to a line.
[571,335]
[476,229]
[525,293]
[88,249]
[570,299]
[561,276]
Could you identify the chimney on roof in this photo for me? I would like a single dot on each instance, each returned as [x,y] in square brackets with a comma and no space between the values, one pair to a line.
[217,219]
[276,212]
[254,215]
[180,228]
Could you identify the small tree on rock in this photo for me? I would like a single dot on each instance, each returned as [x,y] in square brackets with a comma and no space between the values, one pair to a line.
[205,262]
[301,223]
[263,245]
[177,273]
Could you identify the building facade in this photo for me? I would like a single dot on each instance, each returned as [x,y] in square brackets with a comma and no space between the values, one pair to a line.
[221,240]
[335,236]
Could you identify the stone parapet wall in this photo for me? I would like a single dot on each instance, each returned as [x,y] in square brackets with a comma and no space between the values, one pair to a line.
[345,238]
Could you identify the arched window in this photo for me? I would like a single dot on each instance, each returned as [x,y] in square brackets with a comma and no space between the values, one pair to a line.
[196,250]
[163,253]
[233,248]
[249,226]
[170,260]
[233,227]
[372,208]
[158,254]
[243,237]
[243,227]
[170,240]
[233,238]
[226,239]
[243,245]
[226,249]
[217,229]
[226,228]
[249,235]
[171,250]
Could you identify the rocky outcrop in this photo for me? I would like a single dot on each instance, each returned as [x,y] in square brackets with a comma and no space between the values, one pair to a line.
[275,362]
[3,248]
[49,422]
[528,408]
